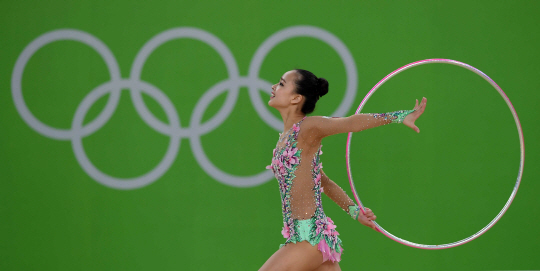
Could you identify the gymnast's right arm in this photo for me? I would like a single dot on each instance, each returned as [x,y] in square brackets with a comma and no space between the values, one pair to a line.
[338,195]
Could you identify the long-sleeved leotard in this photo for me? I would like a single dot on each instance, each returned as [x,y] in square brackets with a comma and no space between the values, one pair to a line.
[297,167]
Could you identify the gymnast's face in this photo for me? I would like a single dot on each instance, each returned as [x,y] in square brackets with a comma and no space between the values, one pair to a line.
[284,92]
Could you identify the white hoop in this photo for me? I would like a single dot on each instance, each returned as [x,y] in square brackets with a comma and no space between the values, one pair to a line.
[522,156]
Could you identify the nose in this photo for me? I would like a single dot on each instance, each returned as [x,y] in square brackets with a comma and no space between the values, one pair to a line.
[274,87]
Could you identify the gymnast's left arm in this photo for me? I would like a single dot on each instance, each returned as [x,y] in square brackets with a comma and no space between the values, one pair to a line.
[335,193]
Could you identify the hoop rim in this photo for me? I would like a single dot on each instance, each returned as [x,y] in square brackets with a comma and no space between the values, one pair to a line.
[521,165]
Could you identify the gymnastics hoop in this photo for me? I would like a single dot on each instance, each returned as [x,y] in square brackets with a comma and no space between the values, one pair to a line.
[522,156]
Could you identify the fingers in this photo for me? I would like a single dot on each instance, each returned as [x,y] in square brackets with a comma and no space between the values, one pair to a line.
[422,105]
[420,108]
[368,212]
[370,215]
[367,221]
[367,218]
[372,225]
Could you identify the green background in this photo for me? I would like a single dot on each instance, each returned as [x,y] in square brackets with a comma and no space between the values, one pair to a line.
[436,187]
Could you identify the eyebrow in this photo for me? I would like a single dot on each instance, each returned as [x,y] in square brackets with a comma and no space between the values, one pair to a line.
[283,80]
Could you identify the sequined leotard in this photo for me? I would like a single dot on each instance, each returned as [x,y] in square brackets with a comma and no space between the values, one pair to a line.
[301,185]
[303,215]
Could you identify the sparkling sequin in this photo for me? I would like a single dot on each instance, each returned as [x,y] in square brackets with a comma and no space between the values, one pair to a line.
[354,211]
[395,117]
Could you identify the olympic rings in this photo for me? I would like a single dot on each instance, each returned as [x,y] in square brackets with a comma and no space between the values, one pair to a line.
[172,128]
[520,171]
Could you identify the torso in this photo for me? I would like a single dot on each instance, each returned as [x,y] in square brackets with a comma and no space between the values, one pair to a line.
[297,167]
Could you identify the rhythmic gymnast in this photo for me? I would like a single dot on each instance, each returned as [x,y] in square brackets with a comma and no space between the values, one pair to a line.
[312,243]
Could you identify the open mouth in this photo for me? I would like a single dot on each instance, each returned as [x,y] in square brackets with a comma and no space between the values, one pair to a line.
[272,95]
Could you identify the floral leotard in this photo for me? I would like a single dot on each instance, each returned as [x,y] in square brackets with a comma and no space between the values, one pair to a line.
[301,185]
[303,215]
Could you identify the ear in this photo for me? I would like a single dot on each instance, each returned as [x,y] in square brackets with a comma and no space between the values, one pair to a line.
[297,99]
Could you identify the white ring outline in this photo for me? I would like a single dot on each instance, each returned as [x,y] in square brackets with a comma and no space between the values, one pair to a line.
[294,32]
[178,33]
[173,129]
[207,165]
[115,182]
[31,49]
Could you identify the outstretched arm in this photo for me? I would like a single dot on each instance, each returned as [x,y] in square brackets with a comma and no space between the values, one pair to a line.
[335,193]
[324,126]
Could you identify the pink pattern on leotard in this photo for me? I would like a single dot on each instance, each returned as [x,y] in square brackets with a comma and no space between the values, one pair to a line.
[301,198]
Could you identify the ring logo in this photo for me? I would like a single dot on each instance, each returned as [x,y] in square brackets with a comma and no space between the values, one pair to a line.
[172,129]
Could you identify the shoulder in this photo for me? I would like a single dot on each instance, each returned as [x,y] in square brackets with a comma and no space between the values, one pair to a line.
[316,122]
[312,122]
[311,126]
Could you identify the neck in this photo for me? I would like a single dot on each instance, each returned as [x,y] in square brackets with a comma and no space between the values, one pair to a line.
[290,117]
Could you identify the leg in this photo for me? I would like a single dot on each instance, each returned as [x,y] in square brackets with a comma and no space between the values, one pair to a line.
[299,256]
[329,266]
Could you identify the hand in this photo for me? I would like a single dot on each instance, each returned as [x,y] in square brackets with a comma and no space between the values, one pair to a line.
[411,118]
[366,219]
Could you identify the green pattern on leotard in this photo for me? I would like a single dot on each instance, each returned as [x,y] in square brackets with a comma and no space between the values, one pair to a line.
[319,229]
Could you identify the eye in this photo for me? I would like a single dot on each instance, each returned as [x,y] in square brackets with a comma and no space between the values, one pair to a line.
[281,84]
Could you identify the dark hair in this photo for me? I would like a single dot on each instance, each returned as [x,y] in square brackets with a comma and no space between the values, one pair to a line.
[311,87]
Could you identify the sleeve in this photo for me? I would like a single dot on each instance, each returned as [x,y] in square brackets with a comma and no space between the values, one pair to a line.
[325,126]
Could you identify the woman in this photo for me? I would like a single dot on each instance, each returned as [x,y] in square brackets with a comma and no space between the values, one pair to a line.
[312,243]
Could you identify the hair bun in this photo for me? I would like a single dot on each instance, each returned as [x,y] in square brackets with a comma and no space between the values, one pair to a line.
[311,87]
[323,86]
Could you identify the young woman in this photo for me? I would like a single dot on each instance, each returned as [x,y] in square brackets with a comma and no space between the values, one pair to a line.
[312,243]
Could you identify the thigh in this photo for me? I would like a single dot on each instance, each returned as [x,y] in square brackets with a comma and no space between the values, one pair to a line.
[299,256]
[329,266]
